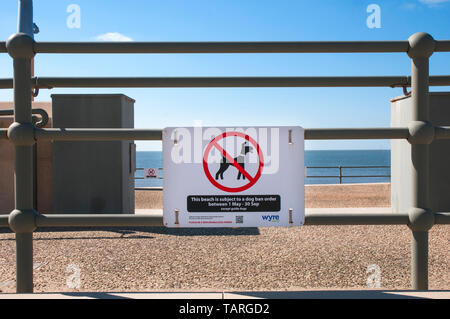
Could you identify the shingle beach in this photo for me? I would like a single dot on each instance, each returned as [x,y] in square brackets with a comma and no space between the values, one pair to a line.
[157,258]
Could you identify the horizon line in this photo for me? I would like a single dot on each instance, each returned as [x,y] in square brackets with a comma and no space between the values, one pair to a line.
[357,149]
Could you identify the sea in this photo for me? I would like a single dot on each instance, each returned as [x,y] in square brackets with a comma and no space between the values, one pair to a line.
[315,161]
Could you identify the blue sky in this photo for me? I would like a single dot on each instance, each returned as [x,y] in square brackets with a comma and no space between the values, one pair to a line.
[243,20]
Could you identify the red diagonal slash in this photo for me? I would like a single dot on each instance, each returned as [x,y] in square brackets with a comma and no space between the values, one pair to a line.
[252,180]
[232,161]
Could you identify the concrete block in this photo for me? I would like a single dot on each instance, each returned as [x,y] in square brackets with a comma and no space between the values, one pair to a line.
[439,155]
[97,176]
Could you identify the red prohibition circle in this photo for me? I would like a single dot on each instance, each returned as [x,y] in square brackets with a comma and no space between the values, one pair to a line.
[252,180]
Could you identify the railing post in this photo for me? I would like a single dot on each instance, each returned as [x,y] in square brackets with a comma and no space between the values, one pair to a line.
[340,174]
[25,18]
[421,218]
[21,133]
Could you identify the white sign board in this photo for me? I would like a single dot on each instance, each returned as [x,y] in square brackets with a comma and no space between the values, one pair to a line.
[223,177]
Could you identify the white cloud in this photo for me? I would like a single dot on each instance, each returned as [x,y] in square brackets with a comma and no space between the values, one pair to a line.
[433,2]
[409,6]
[113,36]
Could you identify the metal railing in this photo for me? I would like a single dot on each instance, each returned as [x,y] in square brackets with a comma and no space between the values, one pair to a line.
[36,121]
[340,175]
[21,46]
[341,169]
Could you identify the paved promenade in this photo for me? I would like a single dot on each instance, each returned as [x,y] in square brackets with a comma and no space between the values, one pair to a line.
[310,294]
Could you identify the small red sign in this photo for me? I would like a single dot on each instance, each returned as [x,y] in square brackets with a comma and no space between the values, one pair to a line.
[150,173]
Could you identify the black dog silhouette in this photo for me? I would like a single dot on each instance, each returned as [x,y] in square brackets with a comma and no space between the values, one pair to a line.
[224,164]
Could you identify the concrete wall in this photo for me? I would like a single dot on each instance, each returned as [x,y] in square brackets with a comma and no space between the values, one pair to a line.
[439,158]
[93,177]
[44,166]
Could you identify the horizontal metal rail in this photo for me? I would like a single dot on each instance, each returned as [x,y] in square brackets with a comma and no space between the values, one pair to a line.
[311,218]
[309,176]
[362,166]
[324,176]
[4,220]
[442,46]
[229,47]
[361,176]
[61,134]
[38,122]
[222,47]
[317,218]
[191,82]
[6,83]
[442,218]
[356,133]
[341,176]
[92,220]
[152,188]
[345,176]
[441,132]
[216,82]
[108,134]
[80,134]
[155,220]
